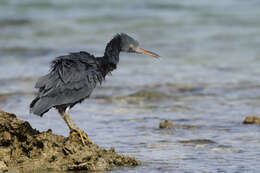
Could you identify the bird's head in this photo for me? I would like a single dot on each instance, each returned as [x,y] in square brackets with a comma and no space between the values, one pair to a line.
[128,44]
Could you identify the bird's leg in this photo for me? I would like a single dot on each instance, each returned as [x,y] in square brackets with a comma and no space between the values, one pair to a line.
[70,120]
[66,121]
[74,127]
[81,133]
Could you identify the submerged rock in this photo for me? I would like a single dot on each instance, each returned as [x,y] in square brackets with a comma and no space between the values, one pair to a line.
[251,120]
[167,124]
[24,149]
[141,96]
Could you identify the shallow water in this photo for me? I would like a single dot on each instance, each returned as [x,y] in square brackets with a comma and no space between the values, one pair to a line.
[208,76]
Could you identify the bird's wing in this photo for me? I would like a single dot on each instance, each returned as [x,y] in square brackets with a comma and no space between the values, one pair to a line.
[72,78]
[66,69]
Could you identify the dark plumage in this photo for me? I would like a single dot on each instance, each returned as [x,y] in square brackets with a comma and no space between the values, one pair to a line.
[73,77]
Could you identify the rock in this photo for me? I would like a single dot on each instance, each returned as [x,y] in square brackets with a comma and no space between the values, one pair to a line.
[25,149]
[167,124]
[3,167]
[251,120]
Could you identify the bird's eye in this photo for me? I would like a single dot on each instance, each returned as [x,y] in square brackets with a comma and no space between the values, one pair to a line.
[131,46]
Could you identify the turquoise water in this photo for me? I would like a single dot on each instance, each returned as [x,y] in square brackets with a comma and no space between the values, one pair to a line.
[209,71]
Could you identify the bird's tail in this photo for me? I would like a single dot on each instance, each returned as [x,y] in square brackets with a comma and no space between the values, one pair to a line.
[37,107]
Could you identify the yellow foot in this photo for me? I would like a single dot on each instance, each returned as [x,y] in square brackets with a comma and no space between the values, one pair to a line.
[83,136]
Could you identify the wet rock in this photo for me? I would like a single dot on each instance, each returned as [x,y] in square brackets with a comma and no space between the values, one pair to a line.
[25,149]
[167,124]
[251,120]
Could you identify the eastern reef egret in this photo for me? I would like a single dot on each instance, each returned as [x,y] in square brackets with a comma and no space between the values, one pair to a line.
[73,77]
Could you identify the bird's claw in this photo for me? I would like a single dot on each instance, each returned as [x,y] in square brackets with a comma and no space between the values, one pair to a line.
[83,136]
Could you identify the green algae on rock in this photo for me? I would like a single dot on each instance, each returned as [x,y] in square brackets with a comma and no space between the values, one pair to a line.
[251,120]
[25,149]
[141,96]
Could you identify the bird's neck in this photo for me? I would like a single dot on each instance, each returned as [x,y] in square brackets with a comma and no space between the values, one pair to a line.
[111,56]
[112,50]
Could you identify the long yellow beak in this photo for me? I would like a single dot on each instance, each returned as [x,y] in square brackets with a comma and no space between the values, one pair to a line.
[146,52]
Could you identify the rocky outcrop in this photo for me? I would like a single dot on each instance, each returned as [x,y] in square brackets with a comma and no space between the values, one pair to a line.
[25,149]
[251,120]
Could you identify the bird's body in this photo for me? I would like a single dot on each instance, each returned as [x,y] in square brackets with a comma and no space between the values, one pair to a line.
[73,77]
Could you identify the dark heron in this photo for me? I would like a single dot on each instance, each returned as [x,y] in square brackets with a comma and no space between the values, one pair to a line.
[73,77]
